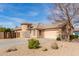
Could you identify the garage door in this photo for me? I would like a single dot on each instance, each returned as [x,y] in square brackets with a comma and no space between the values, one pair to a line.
[50,34]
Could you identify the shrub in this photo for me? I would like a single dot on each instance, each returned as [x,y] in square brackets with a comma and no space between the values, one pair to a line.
[73,37]
[33,44]
[58,39]
[76,36]
[54,46]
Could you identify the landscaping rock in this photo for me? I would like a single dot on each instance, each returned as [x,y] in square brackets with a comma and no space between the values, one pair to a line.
[44,49]
[11,49]
[54,45]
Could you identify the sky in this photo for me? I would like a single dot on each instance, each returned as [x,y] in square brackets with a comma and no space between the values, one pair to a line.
[13,14]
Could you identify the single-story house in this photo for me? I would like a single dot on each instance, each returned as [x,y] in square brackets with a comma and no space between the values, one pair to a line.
[51,31]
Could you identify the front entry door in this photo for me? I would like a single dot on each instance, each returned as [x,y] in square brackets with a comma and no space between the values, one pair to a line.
[40,34]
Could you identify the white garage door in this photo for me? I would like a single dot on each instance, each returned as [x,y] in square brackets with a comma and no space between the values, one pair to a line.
[50,34]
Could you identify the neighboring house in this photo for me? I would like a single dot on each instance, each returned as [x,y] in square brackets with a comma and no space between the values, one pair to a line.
[51,31]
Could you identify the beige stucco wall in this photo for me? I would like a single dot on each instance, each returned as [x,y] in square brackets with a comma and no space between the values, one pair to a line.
[48,33]
[34,34]
[24,33]
[24,27]
[51,34]
[18,31]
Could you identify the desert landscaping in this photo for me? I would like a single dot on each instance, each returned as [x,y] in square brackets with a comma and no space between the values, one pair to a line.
[41,30]
[64,49]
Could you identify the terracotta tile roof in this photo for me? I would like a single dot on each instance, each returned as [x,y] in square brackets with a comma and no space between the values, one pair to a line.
[57,24]
[38,26]
[18,28]
[45,26]
[26,23]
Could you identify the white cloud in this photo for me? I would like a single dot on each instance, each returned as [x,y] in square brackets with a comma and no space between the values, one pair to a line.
[7,24]
[29,14]
[12,22]
[47,10]
[19,20]
[32,14]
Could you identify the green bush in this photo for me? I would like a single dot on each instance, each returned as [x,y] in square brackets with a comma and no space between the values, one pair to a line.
[76,36]
[73,37]
[58,39]
[33,44]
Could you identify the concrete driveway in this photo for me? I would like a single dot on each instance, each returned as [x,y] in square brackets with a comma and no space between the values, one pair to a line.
[11,42]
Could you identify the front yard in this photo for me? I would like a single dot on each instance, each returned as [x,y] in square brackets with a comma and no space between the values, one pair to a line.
[65,48]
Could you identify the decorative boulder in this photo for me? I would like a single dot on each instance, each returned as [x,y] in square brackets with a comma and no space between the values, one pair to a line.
[11,49]
[54,45]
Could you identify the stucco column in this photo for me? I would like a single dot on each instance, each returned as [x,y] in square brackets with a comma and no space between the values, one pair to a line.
[24,31]
[34,33]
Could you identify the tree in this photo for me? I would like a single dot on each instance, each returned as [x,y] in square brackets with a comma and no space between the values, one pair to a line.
[67,12]
[8,30]
[3,29]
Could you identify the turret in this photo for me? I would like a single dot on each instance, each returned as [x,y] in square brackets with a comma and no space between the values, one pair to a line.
[25,26]
[25,33]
